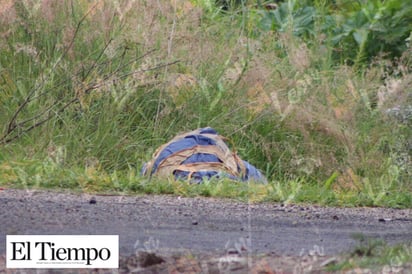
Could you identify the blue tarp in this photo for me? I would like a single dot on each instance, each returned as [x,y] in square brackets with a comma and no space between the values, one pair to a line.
[190,141]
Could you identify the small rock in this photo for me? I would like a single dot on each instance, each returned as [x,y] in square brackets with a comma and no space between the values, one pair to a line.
[147,259]
[232,251]
[194,222]
[383,220]
[92,200]
[335,217]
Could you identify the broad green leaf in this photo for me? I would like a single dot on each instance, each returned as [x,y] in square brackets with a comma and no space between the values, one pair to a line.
[360,36]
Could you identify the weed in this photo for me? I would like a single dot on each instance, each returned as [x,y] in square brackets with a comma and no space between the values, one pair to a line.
[375,254]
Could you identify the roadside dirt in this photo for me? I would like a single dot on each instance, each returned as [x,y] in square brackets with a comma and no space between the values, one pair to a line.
[168,234]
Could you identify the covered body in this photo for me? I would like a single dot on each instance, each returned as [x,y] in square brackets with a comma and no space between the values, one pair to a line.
[198,155]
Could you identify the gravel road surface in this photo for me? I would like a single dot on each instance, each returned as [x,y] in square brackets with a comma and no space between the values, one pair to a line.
[199,225]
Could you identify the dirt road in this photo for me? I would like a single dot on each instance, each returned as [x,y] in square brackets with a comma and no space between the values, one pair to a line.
[199,225]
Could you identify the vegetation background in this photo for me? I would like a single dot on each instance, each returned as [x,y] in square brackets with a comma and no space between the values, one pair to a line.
[317,94]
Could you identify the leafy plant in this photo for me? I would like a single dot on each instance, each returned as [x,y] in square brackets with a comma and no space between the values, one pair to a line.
[358,31]
[290,17]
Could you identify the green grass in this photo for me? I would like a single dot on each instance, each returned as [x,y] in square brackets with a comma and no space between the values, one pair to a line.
[376,255]
[93,179]
[89,91]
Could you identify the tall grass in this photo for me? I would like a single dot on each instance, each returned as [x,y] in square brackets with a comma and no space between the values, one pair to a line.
[90,89]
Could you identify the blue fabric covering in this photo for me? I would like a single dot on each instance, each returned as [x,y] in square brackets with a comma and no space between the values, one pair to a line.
[252,173]
[201,157]
[199,176]
[185,143]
